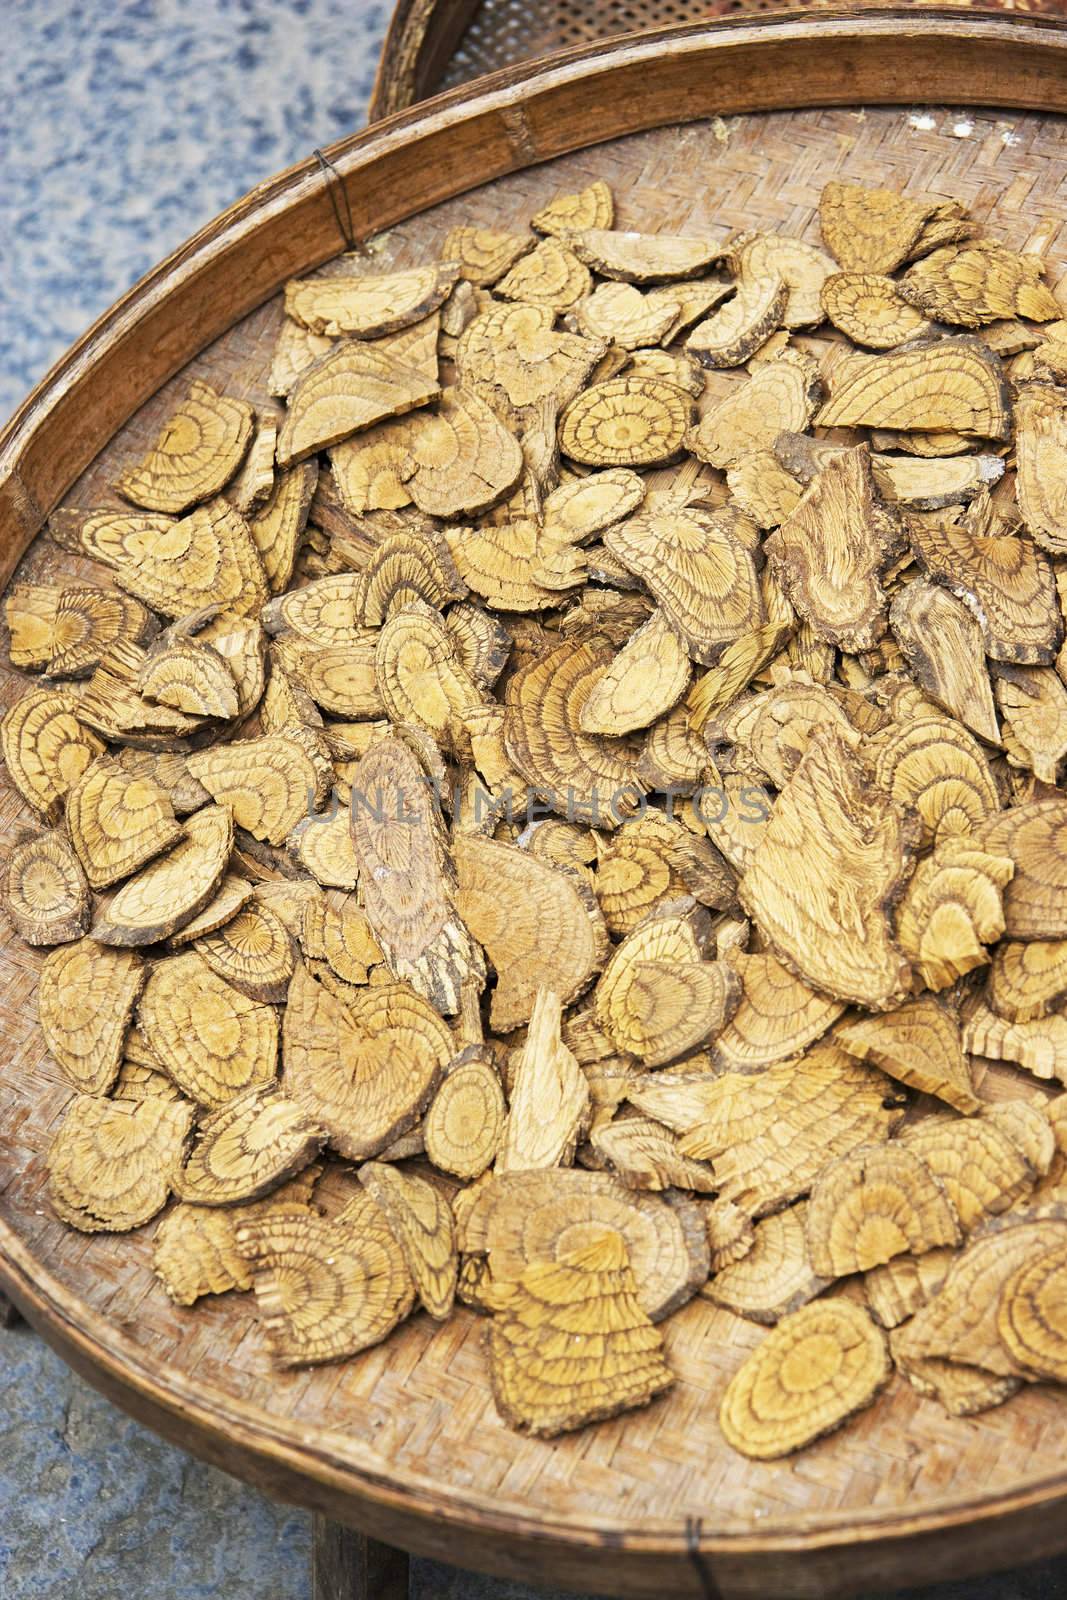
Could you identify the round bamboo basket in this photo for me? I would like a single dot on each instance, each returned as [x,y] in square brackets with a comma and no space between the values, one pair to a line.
[698,127]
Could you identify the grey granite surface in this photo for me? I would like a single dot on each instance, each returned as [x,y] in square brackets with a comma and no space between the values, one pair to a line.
[125,125]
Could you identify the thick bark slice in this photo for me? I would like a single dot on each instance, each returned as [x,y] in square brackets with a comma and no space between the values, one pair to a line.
[736,330]
[643,257]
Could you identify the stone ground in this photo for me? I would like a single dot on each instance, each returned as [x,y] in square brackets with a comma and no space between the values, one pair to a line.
[125,125]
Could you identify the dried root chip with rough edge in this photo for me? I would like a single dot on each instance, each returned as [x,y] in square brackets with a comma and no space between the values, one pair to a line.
[464,1124]
[484,254]
[408,889]
[1034,837]
[669,366]
[636,870]
[296,350]
[643,1154]
[30,619]
[46,749]
[463,459]
[1008,585]
[569,1342]
[739,663]
[173,889]
[212,1040]
[323,846]
[335,929]
[117,822]
[769,1135]
[934,766]
[208,557]
[962,1390]
[1028,979]
[830,864]
[675,756]
[831,552]
[875,230]
[657,998]
[1032,1315]
[870,309]
[498,327]
[735,331]
[46,894]
[591,207]
[952,909]
[699,566]
[1033,703]
[246,1148]
[579,509]
[501,565]
[405,567]
[540,926]
[626,422]
[232,895]
[326,1290]
[780,396]
[943,645]
[961,1322]
[87,622]
[369,306]
[775,1276]
[339,678]
[731,1235]
[650,673]
[551,276]
[197,452]
[1040,1047]
[622,315]
[187,675]
[278,525]
[979,281]
[1028,1126]
[112,1163]
[194,1250]
[549,1097]
[919,1045]
[901,1286]
[980,1167]
[819,1367]
[1041,472]
[877,1202]
[592,777]
[954,384]
[242,644]
[778,1016]
[253,951]
[85,999]
[268,783]
[421,679]
[642,257]
[421,1219]
[354,385]
[363,1071]
[803,268]
[253,483]
[481,639]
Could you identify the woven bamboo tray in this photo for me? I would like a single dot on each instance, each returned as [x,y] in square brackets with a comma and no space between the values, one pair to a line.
[404,1442]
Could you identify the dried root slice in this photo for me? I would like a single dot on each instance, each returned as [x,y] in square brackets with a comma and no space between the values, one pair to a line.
[657,998]
[197,452]
[189,676]
[269,783]
[919,1045]
[1028,979]
[642,257]
[736,330]
[936,767]
[1034,837]
[819,1367]
[369,306]
[833,842]
[87,622]
[962,1390]
[45,750]
[649,674]
[212,1040]
[1033,703]
[569,1343]
[622,315]
[731,1235]
[117,823]
[463,459]
[803,268]
[549,1097]
[540,927]
[636,870]
[830,553]
[112,1163]
[323,846]
[550,275]
[85,1000]
[354,385]
[955,384]
[194,1250]
[775,1276]
[168,893]
[464,1125]
[870,309]
[591,207]
[246,1148]
[421,1219]
[979,281]
[643,1154]
[877,1202]
[1040,1047]
[982,1170]
[233,894]
[943,645]
[327,1290]
[484,254]
[699,566]
[769,1135]
[241,643]
[1032,1315]
[875,230]
[904,1284]
[407,567]
[420,678]
[781,395]
[1041,472]
[253,952]
[362,1071]
[626,422]
[30,617]
[46,894]
[1008,584]
[778,1016]
[335,930]
[338,678]
[583,507]
[296,350]
[207,558]
[952,909]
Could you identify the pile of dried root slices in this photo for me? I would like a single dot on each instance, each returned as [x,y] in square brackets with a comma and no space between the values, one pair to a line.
[552,799]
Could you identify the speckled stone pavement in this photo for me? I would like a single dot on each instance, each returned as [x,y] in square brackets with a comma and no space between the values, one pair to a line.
[125,125]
